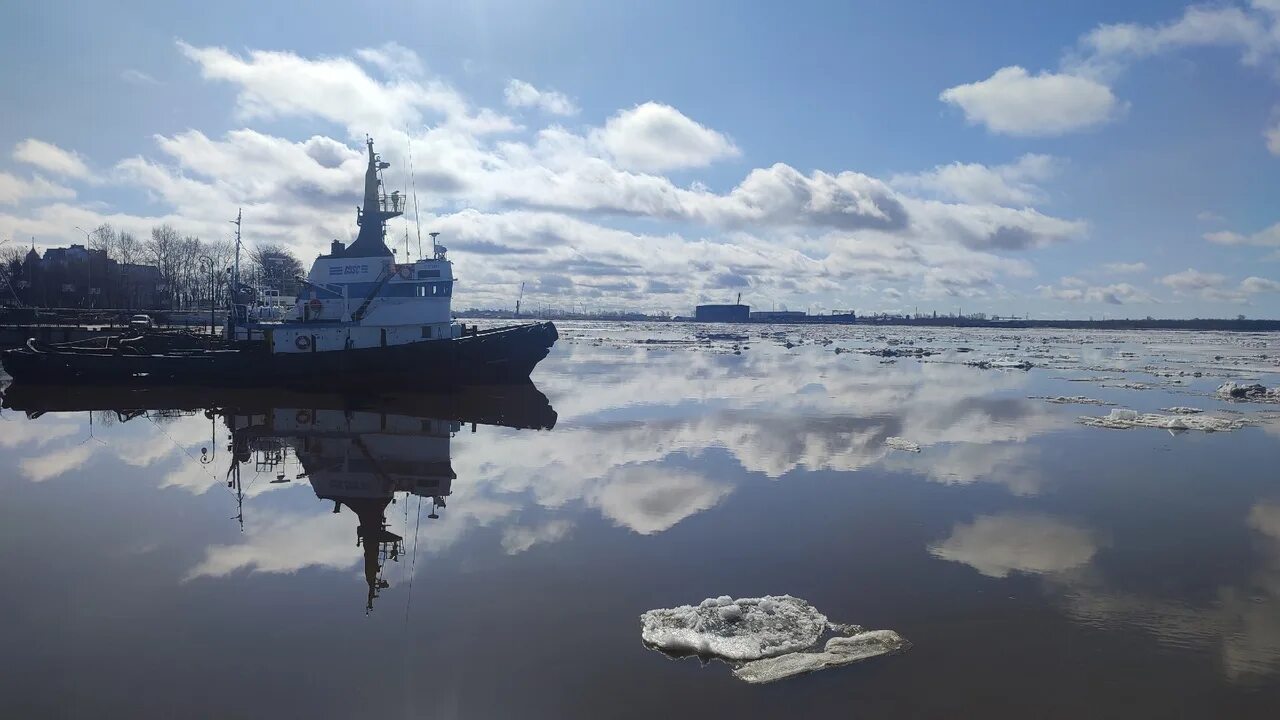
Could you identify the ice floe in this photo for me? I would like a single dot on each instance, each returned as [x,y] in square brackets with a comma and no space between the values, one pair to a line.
[1071,400]
[839,651]
[1123,419]
[898,443]
[745,629]
[1182,410]
[1002,364]
[764,639]
[1255,392]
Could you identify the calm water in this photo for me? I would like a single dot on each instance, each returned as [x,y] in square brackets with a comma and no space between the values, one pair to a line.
[1040,567]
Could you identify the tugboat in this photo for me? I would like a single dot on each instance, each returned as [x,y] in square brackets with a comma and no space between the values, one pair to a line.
[361,317]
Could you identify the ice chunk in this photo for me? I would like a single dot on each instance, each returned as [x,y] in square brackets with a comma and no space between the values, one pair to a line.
[1123,419]
[1182,410]
[788,624]
[1256,392]
[764,639]
[903,444]
[1001,364]
[838,652]
[1070,400]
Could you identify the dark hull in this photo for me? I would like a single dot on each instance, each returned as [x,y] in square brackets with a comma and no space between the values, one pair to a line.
[493,357]
[519,405]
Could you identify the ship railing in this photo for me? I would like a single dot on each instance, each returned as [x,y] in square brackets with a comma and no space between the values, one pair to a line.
[393,203]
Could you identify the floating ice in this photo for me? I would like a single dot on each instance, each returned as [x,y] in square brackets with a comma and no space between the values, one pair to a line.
[1071,400]
[1182,410]
[903,444]
[765,639]
[1256,392]
[1123,419]
[838,652]
[1003,364]
[758,627]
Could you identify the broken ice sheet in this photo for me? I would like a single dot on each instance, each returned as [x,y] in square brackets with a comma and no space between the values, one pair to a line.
[1070,400]
[1124,419]
[764,639]
[899,443]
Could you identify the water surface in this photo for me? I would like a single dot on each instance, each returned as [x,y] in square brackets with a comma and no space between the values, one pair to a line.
[1040,568]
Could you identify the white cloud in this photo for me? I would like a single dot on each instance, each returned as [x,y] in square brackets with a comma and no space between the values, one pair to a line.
[1011,184]
[1254,33]
[59,462]
[996,545]
[518,538]
[50,157]
[652,499]
[1268,237]
[1124,268]
[520,94]
[1209,216]
[654,137]
[282,84]
[1190,280]
[1254,284]
[137,77]
[1272,136]
[1117,294]
[1014,102]
[14,190]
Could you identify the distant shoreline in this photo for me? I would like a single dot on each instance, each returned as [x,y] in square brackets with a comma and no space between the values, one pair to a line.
[1228,325]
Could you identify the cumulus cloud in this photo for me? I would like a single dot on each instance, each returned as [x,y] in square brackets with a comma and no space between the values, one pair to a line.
[1254,284]
[1014,102]
[51,158]
[520,94]
[655,137]
[1192,280]
[1272,136]
[1013,184]
[539,205]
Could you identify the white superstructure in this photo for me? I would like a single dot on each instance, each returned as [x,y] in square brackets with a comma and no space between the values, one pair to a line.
[359,296]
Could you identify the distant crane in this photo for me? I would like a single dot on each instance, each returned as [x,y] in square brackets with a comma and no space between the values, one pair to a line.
[739,300]
[519,298]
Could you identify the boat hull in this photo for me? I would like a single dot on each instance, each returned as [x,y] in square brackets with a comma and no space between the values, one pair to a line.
[492,357]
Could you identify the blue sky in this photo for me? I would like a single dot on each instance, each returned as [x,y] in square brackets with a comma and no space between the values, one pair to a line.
[1059,159]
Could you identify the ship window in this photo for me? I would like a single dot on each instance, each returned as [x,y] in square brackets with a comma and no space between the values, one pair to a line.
[432,273]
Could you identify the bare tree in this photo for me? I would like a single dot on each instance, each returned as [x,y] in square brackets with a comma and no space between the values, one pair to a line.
[275,267]
[11,259]
[128,249]
[162,249]
[104,238]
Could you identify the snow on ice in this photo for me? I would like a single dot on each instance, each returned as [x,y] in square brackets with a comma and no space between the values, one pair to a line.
[764,639]
[898,443]
[1123,419]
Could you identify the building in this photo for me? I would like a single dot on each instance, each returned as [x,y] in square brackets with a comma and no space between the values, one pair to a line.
[722,313]
[80,277]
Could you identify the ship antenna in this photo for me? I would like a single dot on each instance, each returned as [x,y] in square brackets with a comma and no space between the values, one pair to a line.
[413,183]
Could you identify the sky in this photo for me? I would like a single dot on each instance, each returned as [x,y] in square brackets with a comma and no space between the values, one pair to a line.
[1053,159]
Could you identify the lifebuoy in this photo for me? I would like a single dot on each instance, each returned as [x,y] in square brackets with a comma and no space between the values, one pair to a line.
[303,417]
[406,272]
[303,342]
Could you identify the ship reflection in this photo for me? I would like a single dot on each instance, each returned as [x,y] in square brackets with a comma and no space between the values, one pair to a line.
[357,458]
[356,452]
